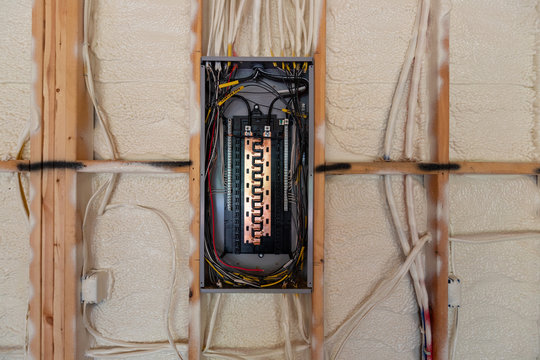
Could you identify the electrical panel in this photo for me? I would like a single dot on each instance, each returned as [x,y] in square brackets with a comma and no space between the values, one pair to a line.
[256,174]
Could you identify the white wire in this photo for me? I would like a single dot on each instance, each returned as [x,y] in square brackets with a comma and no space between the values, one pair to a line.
[348,327]
[211,325]
[409,191]
[398,94]
[238,19]
[489,238]
[454,334]
[100,114]
[302,14]
[311,15]
[281,29]
[455,323]
[298,28]
[476,239]
[132,346]
[211,33]
[256,27]
[249,354]
[232,8]
[119,352]
[286,327]
[289,31]
[300,318]
[317,10]
[221,26]
[390,198]
[416,50]
[415,79]
[267,25]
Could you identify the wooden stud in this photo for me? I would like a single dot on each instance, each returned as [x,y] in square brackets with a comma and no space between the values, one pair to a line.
[47,184]
[72,122]
[437,185]
[317,296]
[36,155]
[194,328]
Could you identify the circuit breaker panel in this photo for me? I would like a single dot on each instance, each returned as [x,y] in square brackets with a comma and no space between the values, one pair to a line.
[256,174]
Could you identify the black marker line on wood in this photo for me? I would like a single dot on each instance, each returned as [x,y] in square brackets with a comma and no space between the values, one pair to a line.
[169,164]
[50,165]
[438,167]
[333,167]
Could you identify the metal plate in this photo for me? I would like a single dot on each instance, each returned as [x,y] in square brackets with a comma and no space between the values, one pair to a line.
[258,189]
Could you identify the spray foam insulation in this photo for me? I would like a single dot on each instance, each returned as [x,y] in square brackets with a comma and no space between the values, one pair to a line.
[14,260]
[142,70]
[15,93]
[499,315]
[493,77]
[134,246]
[366,45]
[358,224]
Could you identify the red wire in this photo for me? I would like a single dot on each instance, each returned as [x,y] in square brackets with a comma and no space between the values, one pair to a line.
[212,211]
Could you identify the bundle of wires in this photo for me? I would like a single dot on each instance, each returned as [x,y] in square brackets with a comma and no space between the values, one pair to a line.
[223,87]
[297,20]
[414,59]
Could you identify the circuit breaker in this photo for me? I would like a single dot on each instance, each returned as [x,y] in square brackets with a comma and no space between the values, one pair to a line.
[256,174]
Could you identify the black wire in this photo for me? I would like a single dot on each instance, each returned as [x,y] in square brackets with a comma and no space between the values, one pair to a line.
[239,97]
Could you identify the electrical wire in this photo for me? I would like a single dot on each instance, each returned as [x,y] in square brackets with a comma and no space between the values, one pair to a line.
[256,26]
[415,52]
[128,346]
[267,26]
[478,239]
[454,334]
[286,327]
[400,87]
[342,334]
[489,238]
[108,186]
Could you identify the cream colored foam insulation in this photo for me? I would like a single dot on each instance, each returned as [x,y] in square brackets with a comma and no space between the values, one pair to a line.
[360,251]
[142,70]
[14,260]
[366,45]
[493,71]
[15,94]
[254,322]
[134,246]
[15,72]
[500,313]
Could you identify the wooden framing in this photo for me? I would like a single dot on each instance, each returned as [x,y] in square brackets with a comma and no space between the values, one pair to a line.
[332,168]
[194,329]
[36,146]
[59,150]
[317,296]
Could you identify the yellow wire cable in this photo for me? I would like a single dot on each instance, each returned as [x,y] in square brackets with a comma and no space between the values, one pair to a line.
[207,115]
[209,263]
[21,187]
[274,283]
